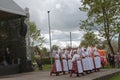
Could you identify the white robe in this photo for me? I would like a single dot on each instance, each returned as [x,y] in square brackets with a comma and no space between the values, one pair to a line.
[65,64]
[84,61]
[97,59]
[76,57]
[58,63]
[90,58]
[89,62]
[69,61]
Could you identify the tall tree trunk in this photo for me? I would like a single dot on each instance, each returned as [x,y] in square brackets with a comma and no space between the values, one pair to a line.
[119,43]
[110,46]
[106,28]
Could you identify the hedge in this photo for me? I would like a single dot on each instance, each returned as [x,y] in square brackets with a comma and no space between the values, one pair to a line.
[46,61]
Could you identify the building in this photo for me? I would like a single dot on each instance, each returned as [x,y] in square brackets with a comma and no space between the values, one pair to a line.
[12,35]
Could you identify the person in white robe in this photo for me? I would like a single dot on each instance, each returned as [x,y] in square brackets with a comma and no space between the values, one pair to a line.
[97,60]
[64,62]
[90,58]
[57,68]
[69,58]
[84,61]
[77,65]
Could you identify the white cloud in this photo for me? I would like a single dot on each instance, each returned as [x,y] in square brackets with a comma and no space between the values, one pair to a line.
[58,6]
[64,18]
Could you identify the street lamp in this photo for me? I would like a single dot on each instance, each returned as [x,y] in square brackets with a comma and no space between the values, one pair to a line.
[50,36]
[70,40]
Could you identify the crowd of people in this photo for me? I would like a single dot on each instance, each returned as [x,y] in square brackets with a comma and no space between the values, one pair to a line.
[114,60]
[76,61]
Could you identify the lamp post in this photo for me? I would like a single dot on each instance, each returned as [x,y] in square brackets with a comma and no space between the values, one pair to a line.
[50,36]
[70,40]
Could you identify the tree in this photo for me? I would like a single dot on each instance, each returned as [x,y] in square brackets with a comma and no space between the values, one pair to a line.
[89,39]
[55,47]
[35,35]
[44,52]
[36,40]
[103,16]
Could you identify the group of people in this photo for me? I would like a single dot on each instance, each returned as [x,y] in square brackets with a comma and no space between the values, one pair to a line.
[114,60]
[76,61]
[8,59]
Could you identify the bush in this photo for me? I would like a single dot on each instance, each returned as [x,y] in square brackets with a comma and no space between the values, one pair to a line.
[46,61]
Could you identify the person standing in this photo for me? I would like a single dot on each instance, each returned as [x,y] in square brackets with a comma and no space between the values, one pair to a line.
[8,56]
[97,59]
[117,60]
[89,49]
[84,60]
[77,65]
[112,60]
[109,59]
[64,62]
[69,58]
[57,68]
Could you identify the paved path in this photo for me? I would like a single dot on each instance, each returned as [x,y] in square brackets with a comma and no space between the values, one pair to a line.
[44,75]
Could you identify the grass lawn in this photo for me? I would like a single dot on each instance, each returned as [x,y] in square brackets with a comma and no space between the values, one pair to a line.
[107,67]
[45,67]
[115,77]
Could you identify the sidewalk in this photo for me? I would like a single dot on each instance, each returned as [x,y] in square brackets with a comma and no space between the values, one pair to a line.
[44,75]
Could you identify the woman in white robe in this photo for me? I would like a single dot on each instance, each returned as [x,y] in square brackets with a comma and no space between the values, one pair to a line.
[64,63]
[90,58]
[77,65]
[57,68]
[84,61]
[97,60]
[69,58]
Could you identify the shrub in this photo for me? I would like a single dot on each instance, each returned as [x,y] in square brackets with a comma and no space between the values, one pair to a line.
[46,61]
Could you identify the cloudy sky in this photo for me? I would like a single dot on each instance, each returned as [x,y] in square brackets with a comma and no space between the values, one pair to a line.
[65,17]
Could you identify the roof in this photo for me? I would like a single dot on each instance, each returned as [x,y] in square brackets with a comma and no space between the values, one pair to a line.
[10,6]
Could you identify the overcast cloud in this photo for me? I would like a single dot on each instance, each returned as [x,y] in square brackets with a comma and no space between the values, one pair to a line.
[65,17]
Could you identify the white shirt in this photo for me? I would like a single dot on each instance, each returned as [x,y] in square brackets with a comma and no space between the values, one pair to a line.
[63,55]
[78,50]
[76,57]
[57,56]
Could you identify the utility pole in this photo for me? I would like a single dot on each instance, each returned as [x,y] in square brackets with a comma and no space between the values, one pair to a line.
[50,36]
[70,40]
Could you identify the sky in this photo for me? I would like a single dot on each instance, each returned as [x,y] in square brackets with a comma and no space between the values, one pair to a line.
[65,17]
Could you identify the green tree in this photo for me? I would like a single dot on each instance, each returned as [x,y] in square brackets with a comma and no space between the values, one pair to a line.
[89,39]
[103,16]
[35,35]
[36,40]
[55,47]
[44,52]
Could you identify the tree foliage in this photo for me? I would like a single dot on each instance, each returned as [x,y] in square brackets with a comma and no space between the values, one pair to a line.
[36,40]
[89,39]
[35,35]
[55,47]
[103,16]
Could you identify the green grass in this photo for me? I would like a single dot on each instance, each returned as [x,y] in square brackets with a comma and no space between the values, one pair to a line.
[45,67]
[107,67]
[115,77]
